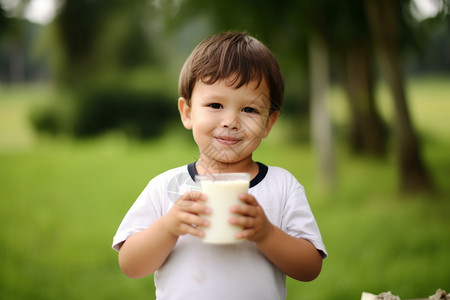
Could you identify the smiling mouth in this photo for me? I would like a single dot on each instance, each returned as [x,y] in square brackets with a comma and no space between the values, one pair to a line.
[229,141]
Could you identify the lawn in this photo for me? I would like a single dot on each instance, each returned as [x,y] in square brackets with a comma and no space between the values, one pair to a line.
[61,202]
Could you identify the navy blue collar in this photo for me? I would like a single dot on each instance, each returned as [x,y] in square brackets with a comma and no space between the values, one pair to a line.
[258,178]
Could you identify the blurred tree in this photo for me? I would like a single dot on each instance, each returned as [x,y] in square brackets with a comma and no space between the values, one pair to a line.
[321,130]
[387,21]
[99,51]
[3,20]
[351,40]
[434,32]
[3,28]
[19,60]
[13,30]
[316,21]
[99,38]
[77,29]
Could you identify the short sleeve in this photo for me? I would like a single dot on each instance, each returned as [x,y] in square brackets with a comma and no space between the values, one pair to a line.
[147,208]
[299,220]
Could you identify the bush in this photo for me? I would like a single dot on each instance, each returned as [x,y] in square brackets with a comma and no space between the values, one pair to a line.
[45,119]
[54,117]
[138,114]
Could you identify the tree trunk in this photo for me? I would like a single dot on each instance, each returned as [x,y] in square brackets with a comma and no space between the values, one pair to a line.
[16,62]
[320,118]
[366,134]
[383,22]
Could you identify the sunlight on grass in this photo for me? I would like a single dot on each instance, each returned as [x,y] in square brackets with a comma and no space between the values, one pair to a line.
[15,131]
[428,100]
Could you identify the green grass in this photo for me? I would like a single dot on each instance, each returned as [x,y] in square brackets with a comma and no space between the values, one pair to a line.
[61,205]
[61,202]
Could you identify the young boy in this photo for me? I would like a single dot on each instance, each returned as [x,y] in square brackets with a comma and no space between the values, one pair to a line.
[231,88]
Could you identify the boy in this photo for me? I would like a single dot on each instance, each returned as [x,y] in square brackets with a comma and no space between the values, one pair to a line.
[231,88]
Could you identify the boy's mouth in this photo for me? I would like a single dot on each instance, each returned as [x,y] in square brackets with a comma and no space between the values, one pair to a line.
[228,140]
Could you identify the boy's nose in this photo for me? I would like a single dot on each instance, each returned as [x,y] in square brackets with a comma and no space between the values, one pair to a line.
[231,122]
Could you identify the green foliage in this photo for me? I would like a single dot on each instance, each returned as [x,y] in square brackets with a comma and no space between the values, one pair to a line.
[140,114]
[89,38]
[137,113]
[3,20]
[52,118]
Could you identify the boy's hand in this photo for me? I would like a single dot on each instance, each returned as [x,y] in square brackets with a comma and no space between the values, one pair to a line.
[252,218]
[184,217]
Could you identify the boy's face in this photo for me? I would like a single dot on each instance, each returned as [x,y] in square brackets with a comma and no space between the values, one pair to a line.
[228,124]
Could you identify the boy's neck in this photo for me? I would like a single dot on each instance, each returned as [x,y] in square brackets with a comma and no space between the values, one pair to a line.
[209,166]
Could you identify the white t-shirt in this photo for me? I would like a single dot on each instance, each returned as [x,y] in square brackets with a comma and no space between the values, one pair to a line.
[195,270]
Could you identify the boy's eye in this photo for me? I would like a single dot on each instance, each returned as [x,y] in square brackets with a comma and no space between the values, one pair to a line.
[215,105]
[249,110]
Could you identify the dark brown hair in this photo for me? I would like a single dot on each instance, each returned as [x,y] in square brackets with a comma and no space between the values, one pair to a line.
[234,56]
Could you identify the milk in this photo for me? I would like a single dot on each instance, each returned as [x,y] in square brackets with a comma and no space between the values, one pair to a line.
[222,191]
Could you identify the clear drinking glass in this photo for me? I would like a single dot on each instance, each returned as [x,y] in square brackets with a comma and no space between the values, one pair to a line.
[222,191]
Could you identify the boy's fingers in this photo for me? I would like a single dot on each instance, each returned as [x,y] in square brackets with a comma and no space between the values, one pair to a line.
[192,219]
[194,208]
[191,229]
[245,234]
[248,199]
[188,198]
[244,210]
[243,222]
[194,195]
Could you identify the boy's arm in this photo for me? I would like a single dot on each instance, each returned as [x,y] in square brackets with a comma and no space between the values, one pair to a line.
[144,252]
[296,257]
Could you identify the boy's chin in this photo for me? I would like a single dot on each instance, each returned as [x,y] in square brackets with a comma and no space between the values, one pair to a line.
[235,161]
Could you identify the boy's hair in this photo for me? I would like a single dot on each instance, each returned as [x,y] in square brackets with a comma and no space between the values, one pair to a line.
[234,56]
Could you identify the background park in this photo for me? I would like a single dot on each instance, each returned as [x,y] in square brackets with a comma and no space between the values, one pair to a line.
[88,116]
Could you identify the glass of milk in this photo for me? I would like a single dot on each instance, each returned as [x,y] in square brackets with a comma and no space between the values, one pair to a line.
[222,191]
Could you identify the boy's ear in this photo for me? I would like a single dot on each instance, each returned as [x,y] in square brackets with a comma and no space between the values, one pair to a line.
[185,112]
[273,117]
